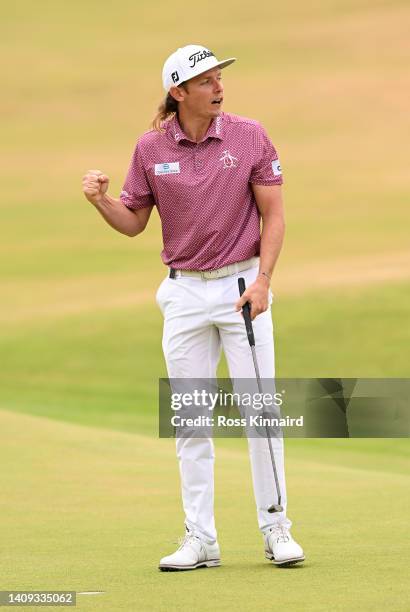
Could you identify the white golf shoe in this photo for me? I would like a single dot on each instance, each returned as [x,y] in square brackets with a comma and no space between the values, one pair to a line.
[192,554]
[281,548]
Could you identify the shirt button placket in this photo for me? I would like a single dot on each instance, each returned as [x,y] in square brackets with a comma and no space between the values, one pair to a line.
[198,163]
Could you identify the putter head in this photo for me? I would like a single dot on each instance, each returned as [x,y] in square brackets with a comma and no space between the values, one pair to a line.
[275,508]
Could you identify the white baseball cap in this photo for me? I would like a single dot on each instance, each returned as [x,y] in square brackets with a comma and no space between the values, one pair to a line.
[187,62]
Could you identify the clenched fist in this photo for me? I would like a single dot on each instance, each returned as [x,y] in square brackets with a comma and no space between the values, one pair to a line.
[95,184]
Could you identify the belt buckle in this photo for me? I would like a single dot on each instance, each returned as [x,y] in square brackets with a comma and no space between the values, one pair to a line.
[209,274]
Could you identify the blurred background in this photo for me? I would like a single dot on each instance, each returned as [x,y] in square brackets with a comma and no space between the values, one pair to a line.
[81,332]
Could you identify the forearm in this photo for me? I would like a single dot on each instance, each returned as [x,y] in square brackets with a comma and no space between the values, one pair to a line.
[119,216]
[270,206]
[273,231]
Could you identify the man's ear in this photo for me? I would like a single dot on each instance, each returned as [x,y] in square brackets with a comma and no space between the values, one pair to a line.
[178,93]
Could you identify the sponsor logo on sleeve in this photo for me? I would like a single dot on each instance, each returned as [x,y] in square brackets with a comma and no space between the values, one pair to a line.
[167,168]
[276,168]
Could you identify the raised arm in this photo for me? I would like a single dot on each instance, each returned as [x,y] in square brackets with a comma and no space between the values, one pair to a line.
[121,218]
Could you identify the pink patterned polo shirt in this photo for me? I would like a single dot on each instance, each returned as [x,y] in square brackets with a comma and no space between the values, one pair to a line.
[203,190]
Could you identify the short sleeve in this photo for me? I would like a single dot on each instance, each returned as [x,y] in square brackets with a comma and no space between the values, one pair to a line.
[266,169]
[136,192]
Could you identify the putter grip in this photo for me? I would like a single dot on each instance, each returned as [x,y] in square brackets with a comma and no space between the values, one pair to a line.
[246,313]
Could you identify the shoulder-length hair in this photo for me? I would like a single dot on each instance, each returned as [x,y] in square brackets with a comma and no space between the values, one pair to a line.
[166,110]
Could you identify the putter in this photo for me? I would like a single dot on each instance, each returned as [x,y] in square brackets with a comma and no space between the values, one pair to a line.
[251,339]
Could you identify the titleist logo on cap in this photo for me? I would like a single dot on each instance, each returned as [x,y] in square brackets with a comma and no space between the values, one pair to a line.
[199,56]
[188,62]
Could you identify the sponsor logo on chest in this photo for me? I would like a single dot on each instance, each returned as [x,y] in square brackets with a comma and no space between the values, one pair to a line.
[167,168]
[229,161]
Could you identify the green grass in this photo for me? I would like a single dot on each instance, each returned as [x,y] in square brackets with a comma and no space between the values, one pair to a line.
[91,509]
[101,366]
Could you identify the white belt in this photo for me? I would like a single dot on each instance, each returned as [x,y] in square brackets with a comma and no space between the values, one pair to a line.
[228,270]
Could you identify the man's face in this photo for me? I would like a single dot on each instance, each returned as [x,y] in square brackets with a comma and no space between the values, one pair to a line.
[203,95]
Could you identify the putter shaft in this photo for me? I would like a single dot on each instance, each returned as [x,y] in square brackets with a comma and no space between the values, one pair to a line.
[251,338]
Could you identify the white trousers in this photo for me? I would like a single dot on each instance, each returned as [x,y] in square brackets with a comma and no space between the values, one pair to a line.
[200,320]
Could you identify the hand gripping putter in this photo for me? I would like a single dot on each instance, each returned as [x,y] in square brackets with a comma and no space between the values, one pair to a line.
[251,339]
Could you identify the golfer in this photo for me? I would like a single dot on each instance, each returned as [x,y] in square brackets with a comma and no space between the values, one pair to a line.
[214,178]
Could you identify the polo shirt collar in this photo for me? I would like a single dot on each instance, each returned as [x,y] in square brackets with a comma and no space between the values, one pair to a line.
[177,134]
